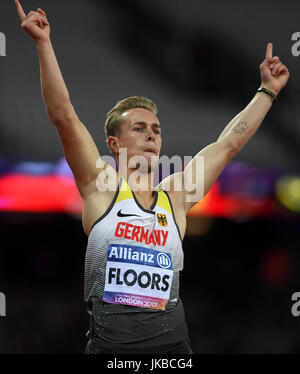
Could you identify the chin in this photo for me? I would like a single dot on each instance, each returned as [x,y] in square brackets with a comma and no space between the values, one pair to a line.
[145,163]
[152,161]
[148,168]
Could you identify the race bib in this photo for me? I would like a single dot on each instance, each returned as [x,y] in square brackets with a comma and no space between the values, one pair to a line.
[137,276]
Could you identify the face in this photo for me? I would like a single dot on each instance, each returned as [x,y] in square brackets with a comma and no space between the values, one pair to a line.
[140,135]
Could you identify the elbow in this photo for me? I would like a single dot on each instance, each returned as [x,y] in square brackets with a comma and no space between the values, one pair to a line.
[58,121]
[231,146]
[235,146]
[233,152]
[234,149]
[61,117]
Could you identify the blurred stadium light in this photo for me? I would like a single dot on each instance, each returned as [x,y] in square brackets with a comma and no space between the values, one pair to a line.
[288,192]
[241,191]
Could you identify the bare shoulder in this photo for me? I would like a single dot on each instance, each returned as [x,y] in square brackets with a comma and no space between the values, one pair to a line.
[173,185]
[179,191]
[98,197]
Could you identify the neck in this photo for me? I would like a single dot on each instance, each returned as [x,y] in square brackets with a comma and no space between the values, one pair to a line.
[140,183]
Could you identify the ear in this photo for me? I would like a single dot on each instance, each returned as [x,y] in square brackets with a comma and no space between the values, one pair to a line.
[113,144]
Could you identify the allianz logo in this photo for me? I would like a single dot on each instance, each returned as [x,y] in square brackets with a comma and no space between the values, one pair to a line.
[163,260]
[125,253]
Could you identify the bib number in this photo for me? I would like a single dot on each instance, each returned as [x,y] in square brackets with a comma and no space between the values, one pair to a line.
[138,276]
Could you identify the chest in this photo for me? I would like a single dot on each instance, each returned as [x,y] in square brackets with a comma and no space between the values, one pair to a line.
[129,224]
[128,231]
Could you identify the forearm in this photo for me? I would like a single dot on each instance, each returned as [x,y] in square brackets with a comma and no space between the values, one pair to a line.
[243,126]
[230,125]
[55,93]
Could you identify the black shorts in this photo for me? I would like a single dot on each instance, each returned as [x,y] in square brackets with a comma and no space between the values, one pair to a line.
[174,348]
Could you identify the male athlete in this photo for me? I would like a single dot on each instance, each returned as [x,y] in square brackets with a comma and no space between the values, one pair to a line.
[135,229]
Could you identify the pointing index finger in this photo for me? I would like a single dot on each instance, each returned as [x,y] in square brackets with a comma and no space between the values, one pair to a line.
[269,52]
[20,10]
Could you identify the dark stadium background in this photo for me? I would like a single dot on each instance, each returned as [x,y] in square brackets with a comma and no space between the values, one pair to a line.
[199,61]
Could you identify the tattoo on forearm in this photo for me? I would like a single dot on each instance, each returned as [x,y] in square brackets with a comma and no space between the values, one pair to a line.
[240,128]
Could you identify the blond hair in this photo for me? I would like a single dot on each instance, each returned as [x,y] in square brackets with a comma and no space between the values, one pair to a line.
[114,119]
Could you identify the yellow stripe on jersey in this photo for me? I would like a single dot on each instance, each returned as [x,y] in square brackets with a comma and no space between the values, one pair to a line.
[163,201]
[125,192]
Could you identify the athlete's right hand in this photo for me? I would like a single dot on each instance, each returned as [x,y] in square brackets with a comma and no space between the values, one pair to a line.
[35,23]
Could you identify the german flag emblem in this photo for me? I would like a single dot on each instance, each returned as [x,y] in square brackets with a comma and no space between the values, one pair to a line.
[162,219]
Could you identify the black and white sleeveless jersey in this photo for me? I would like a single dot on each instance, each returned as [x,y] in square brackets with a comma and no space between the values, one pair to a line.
[133,260]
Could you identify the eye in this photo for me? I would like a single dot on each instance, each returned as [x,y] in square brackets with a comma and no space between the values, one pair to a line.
[138,129]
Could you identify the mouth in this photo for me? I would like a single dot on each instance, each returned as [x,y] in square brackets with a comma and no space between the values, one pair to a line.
[150,150]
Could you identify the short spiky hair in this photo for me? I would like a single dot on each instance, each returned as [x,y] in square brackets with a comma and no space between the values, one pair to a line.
[114,119]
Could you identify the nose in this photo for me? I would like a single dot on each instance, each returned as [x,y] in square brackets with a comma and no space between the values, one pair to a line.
[150,135]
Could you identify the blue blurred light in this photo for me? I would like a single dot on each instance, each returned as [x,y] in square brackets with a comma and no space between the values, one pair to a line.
[62,169]
[33,168]
[5,166]
[248,181]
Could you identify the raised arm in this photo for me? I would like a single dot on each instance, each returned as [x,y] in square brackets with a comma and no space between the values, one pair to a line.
[274,76]
[79,148]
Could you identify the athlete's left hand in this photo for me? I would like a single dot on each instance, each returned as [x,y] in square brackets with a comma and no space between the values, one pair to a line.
[274,75]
